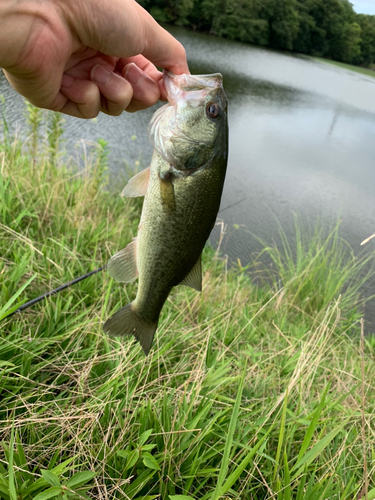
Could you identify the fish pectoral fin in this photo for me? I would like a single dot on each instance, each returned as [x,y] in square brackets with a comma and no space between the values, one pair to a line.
[127,322]
[137,186]
[194,278]
[123,265]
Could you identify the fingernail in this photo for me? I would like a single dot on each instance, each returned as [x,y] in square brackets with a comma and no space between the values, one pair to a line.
[133,74]
[67,81]
[100,75]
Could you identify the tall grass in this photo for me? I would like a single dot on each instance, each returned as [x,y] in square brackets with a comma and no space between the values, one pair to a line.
[250,392]
[317,268]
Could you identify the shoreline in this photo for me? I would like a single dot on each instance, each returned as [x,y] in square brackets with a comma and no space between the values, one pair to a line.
[349,67]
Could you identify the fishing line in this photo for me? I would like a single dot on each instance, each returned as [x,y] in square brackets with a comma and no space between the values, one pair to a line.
[52,292]
[232,205]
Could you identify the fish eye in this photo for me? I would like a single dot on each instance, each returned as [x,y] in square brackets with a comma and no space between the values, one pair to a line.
[213,110]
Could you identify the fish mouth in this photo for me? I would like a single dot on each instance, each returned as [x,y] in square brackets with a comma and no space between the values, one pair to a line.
[189,91]
[191,87]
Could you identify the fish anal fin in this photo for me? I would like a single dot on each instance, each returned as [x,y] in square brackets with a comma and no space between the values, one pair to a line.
[127,322]
[123,265]
[137,186]
[194,278]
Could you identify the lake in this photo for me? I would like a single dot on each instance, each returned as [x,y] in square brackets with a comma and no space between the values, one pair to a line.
[302,140]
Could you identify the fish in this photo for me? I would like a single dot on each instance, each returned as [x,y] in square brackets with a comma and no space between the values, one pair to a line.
[182,190]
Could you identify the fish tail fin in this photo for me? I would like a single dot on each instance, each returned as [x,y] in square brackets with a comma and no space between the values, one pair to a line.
[127,322]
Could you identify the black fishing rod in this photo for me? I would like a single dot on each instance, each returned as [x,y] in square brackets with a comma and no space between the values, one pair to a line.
[53,292]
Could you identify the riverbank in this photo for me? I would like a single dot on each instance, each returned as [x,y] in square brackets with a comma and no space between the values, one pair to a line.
[250,391]
[350,67]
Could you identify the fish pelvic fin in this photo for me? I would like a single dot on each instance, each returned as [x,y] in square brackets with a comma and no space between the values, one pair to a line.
[127,322]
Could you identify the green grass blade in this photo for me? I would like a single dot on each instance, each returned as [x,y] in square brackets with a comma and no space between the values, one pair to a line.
[4,311]
[316,450]
[281,436]
[301,487]
[287,484]
[245,462]
[180,497]
[219,490]
[312,427]
[11,478]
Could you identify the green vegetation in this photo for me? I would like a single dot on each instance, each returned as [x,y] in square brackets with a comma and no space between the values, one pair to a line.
[321,28]
[350,67]
[250,392]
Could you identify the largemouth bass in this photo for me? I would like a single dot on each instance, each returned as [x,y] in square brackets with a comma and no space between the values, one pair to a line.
[182,189]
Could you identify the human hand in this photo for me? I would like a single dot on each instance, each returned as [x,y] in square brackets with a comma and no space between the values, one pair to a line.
[80,57]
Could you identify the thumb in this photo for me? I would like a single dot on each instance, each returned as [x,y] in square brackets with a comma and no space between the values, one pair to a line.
[122,28]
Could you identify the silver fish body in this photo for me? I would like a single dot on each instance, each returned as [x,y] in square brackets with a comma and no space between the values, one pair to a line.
[182,189]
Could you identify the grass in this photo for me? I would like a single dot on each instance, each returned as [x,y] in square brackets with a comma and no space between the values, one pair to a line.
[249,392]
[350,67]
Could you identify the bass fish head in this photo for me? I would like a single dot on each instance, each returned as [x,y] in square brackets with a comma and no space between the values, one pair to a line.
[191,130]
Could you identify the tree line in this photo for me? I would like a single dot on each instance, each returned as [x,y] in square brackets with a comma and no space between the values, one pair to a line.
[322,28]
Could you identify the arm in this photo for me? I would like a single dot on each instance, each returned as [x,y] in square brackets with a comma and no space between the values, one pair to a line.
[85,56]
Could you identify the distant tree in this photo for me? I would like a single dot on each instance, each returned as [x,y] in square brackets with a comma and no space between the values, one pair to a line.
[347,47]
[367,43]
[324,14]
[237,20]
[325,28]
[345,34]
[283,20]
[171,11]
[199,18]
[328,28]
[307,25]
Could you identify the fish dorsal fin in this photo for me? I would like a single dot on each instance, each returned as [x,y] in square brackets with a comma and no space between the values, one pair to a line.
[194,278]
[123,265]
[137,186]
